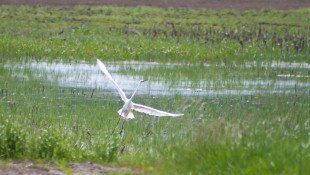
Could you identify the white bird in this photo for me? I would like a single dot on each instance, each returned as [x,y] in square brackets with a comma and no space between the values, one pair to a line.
[126,110]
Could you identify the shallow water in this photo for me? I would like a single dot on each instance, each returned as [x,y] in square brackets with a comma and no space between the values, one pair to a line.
[82,75]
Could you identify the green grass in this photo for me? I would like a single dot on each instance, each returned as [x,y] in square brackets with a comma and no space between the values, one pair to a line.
[235,134]
[153,34]
[222,134]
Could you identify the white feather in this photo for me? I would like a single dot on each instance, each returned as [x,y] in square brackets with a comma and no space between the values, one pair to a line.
[151,111]
[126,111]
[106,72]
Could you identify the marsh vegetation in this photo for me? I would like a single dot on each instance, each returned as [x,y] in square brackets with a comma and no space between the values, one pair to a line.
[240,77]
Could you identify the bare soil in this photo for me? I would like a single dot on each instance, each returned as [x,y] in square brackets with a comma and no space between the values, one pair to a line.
[27,167]
[238,4]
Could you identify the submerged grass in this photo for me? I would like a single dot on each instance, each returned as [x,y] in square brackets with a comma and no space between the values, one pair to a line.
[262,133]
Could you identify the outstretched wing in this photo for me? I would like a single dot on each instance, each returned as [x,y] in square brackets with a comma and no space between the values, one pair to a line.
[106,72]
[152,111]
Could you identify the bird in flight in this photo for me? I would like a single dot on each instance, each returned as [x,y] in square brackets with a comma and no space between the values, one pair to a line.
[126,111]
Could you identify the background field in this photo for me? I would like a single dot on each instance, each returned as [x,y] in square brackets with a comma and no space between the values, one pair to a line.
[153,34]
[247,71]
[236,4]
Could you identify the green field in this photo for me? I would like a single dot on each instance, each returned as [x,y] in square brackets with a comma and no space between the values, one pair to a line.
[153,34]
[251,69]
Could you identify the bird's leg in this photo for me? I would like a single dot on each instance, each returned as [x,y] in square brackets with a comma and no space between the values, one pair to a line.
[121,133]
[119,119]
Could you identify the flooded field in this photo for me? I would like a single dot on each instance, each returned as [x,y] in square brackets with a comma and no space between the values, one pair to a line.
[240,77]
[68,111]
[128,75]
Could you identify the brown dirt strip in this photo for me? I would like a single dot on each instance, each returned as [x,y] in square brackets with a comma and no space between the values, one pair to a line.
[238,4]
[27,167]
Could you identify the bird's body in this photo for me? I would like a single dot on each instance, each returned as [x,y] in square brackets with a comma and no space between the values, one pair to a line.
[126,111]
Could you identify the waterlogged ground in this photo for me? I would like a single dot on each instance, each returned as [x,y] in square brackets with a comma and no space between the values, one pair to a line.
[167,79]
[241,78]
[239,114]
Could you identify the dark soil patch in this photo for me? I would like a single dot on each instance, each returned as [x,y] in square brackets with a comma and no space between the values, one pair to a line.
[27,167]
[94,168]
[238,4]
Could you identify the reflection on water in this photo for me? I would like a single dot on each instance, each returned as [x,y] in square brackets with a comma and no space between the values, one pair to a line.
[82,75]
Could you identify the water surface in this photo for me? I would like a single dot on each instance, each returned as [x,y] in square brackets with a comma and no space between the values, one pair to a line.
[83,75]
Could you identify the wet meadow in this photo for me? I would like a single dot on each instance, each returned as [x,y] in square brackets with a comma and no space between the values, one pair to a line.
[241,78]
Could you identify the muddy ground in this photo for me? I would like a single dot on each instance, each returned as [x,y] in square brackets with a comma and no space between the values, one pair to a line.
[27,167]
[239,4]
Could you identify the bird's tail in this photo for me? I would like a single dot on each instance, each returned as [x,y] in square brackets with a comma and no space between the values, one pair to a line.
[126,114]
